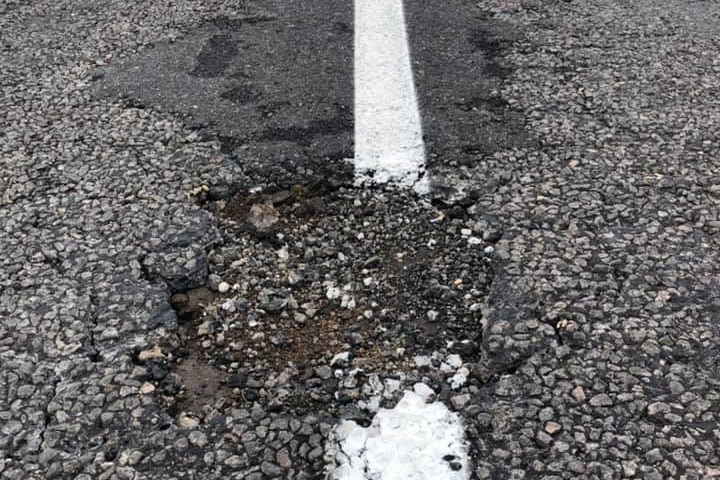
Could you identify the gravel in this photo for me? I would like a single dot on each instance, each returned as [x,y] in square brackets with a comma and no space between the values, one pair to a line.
[164,318]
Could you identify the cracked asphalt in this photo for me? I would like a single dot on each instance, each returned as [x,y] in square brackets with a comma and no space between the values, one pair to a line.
[191,287]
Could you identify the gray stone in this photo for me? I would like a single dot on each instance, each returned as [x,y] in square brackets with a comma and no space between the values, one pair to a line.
[263,217]
[460,401]
[657,408]
[601,400]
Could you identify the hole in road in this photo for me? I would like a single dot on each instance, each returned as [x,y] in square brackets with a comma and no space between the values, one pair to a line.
[315,273]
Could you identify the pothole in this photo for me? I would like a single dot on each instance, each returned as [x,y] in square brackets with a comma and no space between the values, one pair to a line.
[317,290]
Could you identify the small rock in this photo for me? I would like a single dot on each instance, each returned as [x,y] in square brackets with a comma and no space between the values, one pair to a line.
[459,401]
[391,386]
[601,400]
[324,372]
[271,470]
[629,468]
[422,360]
[372,262]
[340,359]
[454,361]
[187,420]
[203,329]
[150,354]
[25,391]
[676,387]
[482,473]
[275,305]
[214,281]
[543,438]
[546,414]
[578,394]
[658,408]
[11,428]
[283,459]
[654,456]
[263,217]
[198,438]
[669,468]
[223,287]
[355,339]
[552,427]
[460,378]
[283,254]
[275,405]
[279,339]
[466,347]
[235,461]
[146,388]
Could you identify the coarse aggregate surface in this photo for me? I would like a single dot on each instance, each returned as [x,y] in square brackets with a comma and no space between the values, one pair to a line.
[174,305]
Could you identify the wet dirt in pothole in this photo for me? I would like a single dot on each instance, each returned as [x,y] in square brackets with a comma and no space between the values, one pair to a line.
[202,385]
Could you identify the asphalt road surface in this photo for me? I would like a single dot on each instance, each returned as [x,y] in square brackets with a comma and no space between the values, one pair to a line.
[274,83]
[193,287]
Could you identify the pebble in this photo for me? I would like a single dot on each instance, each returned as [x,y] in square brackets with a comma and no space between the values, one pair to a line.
[186,420]
[150,354]
[657,408]
[460,401]
[147,388]
[552,427]
[422,360]
[198,439]
[601,400]
[578,394]
[263,217]
[454,361]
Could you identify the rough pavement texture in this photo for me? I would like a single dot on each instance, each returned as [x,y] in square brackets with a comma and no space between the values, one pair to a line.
[565,301]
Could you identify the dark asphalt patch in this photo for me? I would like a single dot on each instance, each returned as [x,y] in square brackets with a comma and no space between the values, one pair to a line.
[274,85]
[241,94]
[216,56]
[456,54]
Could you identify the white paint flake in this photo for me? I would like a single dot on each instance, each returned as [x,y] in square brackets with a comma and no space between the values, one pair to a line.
[389,147]
[460,378]
[416,440]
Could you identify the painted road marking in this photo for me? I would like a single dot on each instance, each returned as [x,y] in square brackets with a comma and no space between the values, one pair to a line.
[417,439]
[389,145]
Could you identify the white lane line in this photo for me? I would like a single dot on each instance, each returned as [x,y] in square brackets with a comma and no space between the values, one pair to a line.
[416,440]
[389,146]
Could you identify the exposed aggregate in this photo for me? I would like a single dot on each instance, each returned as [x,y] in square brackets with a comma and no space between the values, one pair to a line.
[149,329]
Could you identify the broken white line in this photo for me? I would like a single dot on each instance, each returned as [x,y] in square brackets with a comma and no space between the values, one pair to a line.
[416,440]
[389,145]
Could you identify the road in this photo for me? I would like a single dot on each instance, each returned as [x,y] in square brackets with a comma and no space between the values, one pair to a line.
[194,287]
